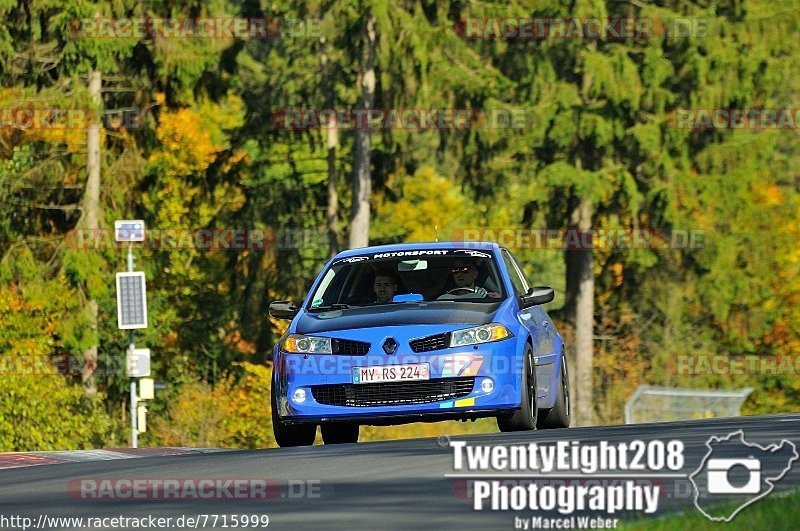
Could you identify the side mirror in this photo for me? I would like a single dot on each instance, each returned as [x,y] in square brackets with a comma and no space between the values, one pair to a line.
[536,296]
[283,309]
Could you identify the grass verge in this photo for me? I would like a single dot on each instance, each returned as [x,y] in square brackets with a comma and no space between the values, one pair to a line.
[775,512]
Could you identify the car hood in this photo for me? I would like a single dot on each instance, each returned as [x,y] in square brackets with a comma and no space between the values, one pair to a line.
[446,313]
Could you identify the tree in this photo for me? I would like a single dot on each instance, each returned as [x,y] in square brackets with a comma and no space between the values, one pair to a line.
[362,175]
[331,143]
[91,214]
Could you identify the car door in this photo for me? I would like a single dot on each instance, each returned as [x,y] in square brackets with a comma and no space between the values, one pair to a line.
[536,321]
[548,343]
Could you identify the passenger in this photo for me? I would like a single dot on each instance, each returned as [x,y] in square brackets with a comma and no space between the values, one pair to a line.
[385,286]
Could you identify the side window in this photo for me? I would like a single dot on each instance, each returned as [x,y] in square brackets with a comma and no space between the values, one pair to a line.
[513,273]
[521,271]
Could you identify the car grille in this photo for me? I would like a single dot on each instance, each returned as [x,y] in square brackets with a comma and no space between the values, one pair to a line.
[392,393]
[435,342]
[349,347]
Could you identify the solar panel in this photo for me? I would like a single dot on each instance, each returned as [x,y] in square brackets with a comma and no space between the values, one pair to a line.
[131,301]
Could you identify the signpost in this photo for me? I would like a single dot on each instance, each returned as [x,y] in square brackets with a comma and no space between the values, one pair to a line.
[131,315]
[129,230]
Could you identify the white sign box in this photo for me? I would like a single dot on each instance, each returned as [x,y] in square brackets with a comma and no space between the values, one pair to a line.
[146,389]
[137,362]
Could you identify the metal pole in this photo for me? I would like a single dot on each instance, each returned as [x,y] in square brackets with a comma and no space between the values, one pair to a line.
[134,398]
[134,416]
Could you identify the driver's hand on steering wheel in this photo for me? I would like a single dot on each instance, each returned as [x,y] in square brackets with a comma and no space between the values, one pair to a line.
[484,293]
[472,291]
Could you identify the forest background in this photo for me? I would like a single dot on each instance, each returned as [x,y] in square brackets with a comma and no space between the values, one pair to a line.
[111,111]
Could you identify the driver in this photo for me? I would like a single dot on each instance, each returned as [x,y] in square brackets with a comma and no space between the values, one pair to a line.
[464,275]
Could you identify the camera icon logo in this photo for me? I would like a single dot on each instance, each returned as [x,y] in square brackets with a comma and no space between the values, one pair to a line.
[719,472]
[738,473]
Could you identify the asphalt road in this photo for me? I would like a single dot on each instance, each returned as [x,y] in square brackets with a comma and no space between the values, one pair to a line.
[396,484]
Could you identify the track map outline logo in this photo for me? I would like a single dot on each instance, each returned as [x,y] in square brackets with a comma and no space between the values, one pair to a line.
[717,470]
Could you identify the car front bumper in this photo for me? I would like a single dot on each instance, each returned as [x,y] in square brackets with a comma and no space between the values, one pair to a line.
[495,370]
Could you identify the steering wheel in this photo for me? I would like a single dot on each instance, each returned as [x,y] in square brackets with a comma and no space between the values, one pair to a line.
[462,291]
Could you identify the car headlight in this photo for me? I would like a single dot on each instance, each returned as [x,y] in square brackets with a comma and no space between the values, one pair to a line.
[479,334]
[300,344]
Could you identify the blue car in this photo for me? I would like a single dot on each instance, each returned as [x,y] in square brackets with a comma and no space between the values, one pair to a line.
[418,332]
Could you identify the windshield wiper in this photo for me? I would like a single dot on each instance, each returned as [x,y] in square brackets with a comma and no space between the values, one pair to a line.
[336,306]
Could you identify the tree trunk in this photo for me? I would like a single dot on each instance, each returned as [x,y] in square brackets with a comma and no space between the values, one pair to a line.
[572,263]
[90,220]
[331,143]
[362,180]
[580,281]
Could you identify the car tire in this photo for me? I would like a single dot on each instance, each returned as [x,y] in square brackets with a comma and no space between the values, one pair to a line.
[339,432]
[559,415]
[291,435]
[525,418]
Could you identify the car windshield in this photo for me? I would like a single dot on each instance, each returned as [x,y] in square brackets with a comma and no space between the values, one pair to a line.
[370,281]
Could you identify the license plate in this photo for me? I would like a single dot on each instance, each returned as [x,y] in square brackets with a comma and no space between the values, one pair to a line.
[391,373]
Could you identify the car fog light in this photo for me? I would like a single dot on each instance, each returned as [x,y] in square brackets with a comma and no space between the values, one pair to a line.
[299,395]
[487,385]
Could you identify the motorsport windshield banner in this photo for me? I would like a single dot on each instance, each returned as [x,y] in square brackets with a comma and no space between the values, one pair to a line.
[413,253]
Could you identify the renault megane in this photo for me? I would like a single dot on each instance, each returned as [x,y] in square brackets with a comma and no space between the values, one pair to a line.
[418,332]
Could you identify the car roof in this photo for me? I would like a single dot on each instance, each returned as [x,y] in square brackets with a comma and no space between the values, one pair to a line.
[478,246]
